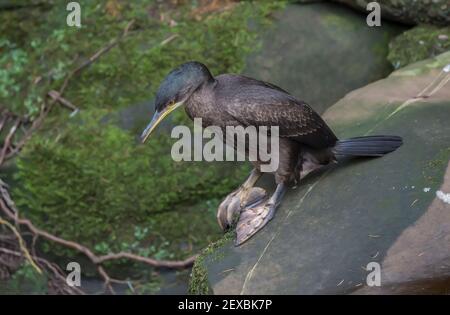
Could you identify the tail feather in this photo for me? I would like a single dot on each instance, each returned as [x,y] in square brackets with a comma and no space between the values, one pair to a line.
[367,146]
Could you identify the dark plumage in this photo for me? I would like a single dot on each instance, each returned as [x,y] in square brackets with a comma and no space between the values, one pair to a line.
[306,142]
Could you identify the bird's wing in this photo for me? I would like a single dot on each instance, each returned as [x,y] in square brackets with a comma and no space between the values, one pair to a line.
[261,105]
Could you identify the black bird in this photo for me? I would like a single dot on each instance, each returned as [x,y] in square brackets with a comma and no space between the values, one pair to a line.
[306,142]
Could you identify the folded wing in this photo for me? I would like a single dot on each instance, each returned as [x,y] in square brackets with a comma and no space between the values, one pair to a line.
[257,103]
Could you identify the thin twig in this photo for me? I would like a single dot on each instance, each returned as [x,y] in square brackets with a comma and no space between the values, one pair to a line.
[21,245]
[95,56]
[169,39]
[107,280]
[8,140]
[178,264]
[3,121]
[36,123]
[57,97]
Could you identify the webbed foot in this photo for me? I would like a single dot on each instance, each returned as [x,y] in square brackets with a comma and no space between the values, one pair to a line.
[231,206]
[253,219]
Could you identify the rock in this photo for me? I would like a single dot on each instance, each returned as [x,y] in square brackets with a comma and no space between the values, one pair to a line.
[408,11]
[319,52]
[418,43]
[386,210]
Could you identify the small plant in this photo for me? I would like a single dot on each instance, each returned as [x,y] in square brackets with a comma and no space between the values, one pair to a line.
[27,279]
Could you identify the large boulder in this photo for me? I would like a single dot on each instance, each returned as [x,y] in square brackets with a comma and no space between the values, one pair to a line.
[321,51]
[408,11]
[393,210]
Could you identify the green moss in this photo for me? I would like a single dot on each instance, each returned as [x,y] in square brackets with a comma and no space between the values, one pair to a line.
[89,182]
[421,42]
[199,276]
[434,168]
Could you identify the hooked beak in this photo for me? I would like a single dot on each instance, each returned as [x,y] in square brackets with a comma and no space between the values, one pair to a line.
[157,118]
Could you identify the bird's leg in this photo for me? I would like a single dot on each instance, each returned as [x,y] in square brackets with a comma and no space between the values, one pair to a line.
[246,188]
[245,195]
[254,218]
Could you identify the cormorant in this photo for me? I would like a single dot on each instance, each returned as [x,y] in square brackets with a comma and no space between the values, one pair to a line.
[306,142]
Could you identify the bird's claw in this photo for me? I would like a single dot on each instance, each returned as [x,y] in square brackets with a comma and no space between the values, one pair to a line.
[253,219]
[233,204]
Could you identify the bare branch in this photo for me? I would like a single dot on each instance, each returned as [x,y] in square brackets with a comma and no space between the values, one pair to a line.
[8,140]
[22,246]
[57,97]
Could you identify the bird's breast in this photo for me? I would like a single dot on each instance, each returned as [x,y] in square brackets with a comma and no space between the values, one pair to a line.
[208,110]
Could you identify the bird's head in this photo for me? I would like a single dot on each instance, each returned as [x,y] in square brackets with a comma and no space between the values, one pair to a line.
[175,89]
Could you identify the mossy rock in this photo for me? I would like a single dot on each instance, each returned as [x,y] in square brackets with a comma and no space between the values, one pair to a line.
[199,284]
[408,11]
[418,43]
[385,210]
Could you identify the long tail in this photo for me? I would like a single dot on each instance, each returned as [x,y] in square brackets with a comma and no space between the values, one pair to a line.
[367,146]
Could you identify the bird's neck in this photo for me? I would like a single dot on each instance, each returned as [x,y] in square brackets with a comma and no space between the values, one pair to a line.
[201,99]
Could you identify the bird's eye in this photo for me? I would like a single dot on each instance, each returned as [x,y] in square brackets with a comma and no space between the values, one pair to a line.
[171,103]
